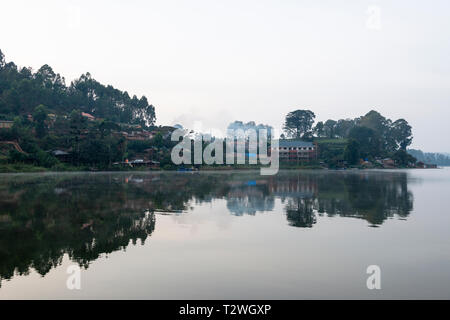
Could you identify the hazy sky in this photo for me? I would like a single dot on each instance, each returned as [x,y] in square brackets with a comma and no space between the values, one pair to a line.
[213,62]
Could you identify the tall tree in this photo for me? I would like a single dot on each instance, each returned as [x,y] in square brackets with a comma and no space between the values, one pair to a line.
[375,121]
[401,133]
[39,116]
[381,126]
[343,127]
[351,153]
[319,129]
[2,59]
[298,123]
[368,141]
[330,128]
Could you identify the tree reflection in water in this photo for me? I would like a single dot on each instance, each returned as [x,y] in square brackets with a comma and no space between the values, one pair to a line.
[43,217]
[373,196]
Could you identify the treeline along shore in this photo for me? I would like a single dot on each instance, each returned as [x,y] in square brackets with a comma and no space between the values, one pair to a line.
[48,125]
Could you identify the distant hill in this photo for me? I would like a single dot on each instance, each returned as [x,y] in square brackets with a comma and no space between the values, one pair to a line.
[441,159]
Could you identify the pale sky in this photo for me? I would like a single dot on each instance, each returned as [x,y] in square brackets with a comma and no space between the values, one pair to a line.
[213,62]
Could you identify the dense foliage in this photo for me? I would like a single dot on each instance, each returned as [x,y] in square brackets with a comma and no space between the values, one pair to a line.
[367,137]
[85,119]
[22,90]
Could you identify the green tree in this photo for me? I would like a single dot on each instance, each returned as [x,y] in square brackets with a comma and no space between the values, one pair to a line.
[375,121]
[351,153]
[2,59]
[401,133]
[319,129]
[381,126]
[368,141]
[106,127]
[298,123]
[330,128]
[403,158]
[158,140]
[40,115]
[77,124]
[343,127]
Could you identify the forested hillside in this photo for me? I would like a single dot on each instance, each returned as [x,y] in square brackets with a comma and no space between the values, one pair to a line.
[46,123]
[22,90]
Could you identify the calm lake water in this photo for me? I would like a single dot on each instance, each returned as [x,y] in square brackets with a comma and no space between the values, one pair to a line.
[233,235]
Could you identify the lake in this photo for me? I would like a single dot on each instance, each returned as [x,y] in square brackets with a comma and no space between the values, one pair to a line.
[226,235]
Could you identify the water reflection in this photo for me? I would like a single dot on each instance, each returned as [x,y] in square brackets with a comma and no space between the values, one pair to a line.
[373,196]
[249,197]
[43,217]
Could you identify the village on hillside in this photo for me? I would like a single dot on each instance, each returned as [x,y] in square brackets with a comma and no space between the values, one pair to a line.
[48,125]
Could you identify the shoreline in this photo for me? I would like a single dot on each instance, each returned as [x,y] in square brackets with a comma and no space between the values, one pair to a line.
[14,169]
